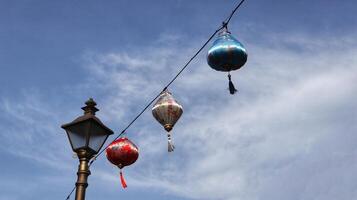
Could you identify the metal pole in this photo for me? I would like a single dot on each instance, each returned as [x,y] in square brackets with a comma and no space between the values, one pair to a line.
[83,173]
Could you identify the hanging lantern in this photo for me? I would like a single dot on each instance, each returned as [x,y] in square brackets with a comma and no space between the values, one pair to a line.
[122,152]
[227,54]
[167,112]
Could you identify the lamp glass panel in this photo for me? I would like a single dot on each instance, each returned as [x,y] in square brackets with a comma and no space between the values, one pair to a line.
[98,136]
[77,135]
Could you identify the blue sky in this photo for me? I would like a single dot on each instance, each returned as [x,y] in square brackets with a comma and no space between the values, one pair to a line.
[290,132]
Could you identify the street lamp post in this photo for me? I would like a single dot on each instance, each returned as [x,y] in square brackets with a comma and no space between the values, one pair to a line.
[86,134]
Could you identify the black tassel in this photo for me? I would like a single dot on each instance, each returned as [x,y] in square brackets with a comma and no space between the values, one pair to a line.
[232,89]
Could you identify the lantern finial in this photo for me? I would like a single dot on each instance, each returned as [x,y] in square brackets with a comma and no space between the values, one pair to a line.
[90,107]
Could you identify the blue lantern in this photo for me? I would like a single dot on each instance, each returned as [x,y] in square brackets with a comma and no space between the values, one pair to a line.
[227,54]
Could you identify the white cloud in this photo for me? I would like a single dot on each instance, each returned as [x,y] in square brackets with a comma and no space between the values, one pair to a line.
[288,133]
[276,139]
[30,128]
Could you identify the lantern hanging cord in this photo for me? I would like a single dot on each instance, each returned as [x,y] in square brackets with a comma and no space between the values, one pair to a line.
[228,19]
[224,25]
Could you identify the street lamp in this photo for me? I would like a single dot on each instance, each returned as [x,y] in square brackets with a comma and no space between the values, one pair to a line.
[87,134]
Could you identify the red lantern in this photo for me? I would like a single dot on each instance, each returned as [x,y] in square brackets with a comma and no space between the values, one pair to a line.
[122,152]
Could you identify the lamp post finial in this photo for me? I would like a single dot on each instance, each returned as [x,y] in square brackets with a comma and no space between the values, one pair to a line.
[90,107]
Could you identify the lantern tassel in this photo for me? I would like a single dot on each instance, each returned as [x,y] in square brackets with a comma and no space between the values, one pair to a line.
[170,146]
[232,89]
[123,183]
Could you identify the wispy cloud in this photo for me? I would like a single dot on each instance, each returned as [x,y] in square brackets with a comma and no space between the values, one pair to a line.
[279,132]
[288,133]
[30,128]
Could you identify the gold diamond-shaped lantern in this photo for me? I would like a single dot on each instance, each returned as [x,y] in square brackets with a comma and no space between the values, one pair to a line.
[167,111]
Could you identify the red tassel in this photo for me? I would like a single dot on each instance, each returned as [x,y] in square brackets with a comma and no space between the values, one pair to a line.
[123,183]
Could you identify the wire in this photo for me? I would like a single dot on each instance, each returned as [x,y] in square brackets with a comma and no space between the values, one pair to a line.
[69,195]
[172,80]
[224,25]
[123,131]
[152,101]
[228,19]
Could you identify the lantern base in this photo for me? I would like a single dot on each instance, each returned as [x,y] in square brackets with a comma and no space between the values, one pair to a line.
[168,127]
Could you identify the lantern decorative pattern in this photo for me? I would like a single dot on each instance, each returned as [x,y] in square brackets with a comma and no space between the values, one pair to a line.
[167,112]
[227,54]
[122,152]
